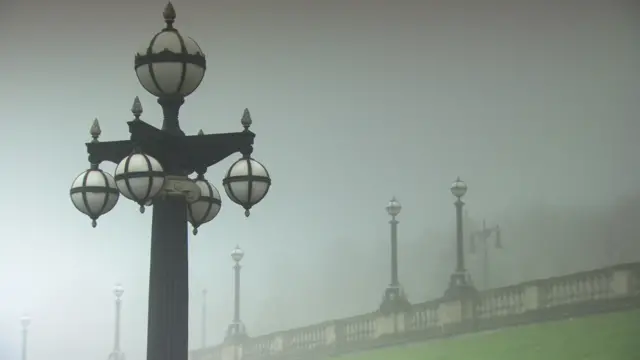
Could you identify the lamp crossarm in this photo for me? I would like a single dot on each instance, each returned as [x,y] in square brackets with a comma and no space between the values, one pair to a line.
[190,153]
[113,151]
[208,150]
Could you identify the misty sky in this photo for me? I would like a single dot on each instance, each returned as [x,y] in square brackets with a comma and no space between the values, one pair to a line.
[532,103]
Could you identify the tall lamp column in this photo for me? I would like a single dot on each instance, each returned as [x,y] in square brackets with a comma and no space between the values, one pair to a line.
[394,299]
[153,170]
[25,321]
[459,284]
[236,331]
[116,353]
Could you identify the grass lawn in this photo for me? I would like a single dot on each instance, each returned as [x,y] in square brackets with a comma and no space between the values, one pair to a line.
[603,337]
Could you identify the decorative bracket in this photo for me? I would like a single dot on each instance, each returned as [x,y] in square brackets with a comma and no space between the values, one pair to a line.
[181,186]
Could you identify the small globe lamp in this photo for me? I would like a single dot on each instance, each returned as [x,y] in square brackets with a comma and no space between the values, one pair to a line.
[247,182]
[139,177]
[394,207]
[237,254]
[458,188]
[206,207]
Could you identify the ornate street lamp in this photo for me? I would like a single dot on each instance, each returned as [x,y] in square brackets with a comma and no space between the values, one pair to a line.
[116,353]
[236,331]
[153,169]
[459,284]
[25,321]
[394,300]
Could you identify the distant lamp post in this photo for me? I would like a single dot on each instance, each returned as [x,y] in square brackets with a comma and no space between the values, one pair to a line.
[153,168]
[460,283]
[481,238]
[25,321]
[116,353]
[236,331]
[394,300]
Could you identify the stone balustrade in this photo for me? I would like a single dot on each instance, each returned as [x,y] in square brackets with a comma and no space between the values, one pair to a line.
[589,292]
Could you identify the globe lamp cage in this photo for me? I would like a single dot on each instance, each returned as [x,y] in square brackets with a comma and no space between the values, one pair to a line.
[247,182]
[25,321]
[237,254]
[171,65]
[207,207]
[458,188]
[94,193]
[394,207]
[139,177]
[118,291]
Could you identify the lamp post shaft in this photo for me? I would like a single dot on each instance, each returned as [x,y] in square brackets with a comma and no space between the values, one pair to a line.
[394,251]
[236,298]
[116,343]
[170,109]
[459,238]
[485,264]
[24,343]
[204,319]
[168,324]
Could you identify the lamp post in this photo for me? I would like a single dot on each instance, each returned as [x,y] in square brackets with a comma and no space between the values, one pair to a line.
[25,321]
[153,168]
[116,353]
[204,318]
[482,237]
[394,299]
[459,284]
[236,331]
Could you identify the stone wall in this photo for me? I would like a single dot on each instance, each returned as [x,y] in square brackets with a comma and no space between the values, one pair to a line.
[609,289]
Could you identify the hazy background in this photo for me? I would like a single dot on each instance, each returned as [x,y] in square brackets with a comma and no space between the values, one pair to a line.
[534,103]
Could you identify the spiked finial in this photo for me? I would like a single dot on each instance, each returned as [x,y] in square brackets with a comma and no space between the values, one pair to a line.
[136,108]
[95,130]
[200,132]
[246,119]
[169,15]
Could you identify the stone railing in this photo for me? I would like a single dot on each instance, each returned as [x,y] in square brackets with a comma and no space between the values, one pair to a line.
[608,289]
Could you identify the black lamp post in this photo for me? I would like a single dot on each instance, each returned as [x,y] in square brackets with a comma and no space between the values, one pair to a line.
[25,321]
[481,237]
[394,300]
[236,330]
[153,169]
[459,284]
[116,353]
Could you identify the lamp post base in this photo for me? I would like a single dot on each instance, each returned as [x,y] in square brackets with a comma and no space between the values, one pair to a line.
[236,333]
[394,301]
[116,355]
[460,287]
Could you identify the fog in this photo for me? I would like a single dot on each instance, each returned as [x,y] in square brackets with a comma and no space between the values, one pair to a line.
[533,103]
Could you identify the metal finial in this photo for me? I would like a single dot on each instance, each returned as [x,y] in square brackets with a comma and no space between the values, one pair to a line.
[169,15]
[247,213]
[195,231]
[94,223]
[95,130]
[200,132]
[136,108]
[246,119]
